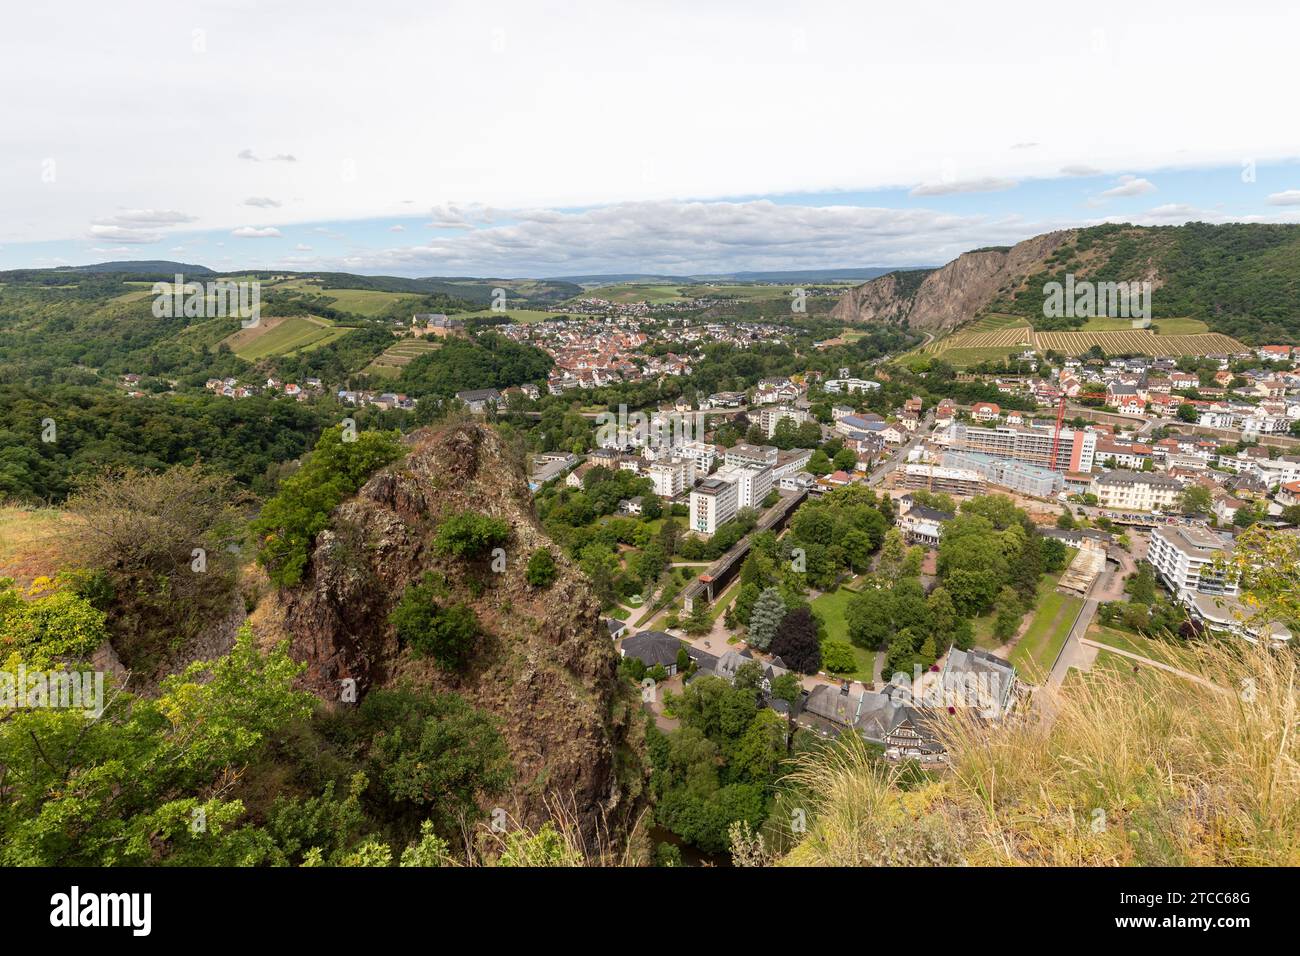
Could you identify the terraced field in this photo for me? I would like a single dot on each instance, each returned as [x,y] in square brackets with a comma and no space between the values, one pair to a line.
[392,360]
[1137,342]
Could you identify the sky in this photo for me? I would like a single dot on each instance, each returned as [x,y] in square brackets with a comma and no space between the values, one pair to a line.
[504,139]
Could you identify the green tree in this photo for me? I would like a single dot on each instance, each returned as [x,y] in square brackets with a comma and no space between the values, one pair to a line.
[766,617]
[290,520]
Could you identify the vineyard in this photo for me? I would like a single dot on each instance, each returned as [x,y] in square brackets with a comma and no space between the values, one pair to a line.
[1138,342]
[991,343]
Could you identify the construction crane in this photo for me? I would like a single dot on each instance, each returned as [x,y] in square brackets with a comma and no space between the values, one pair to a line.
[1056,435]
[1060,420]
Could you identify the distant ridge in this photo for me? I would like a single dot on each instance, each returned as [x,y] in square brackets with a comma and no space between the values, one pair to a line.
[140,267]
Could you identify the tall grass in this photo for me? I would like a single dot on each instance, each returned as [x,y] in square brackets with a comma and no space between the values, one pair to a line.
[1116,768]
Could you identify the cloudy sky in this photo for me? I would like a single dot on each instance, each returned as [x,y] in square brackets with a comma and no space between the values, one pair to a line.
[514,139]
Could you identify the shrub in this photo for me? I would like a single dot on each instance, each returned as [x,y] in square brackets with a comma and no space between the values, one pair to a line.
[468,534]
[54,624]
[446,634]
[541,569]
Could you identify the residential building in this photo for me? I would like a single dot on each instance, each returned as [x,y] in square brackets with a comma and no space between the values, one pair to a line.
[478,399]
[1136,491]
[743,454]
[943,479]
[1074,452]
[670,478]
[753,482]
[1184,558]
[713,503]
[768,418]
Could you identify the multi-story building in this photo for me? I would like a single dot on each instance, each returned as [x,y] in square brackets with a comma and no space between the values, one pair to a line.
[1136,490]
[1074,452]
[713,504]
[1184,558]
[671,478]
[789,462]
[752,482]
[702,453]
[769,418]
[943,479]
[743,454]
[1019,476]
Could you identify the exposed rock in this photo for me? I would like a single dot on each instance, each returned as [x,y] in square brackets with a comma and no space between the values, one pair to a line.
[545,666]
[949,296]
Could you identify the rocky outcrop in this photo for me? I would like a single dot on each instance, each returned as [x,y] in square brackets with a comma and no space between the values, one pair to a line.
[545,666]
[949,296]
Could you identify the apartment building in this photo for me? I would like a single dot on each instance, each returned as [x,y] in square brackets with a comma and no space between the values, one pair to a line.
[1019,476]
[1136,491]
[768,418]
[713,504]
[743,454]
[1184,558]
[753,482]
[702,453]
[671,478]
[1076,450]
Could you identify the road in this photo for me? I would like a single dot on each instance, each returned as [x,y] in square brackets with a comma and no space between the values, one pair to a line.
[887,467]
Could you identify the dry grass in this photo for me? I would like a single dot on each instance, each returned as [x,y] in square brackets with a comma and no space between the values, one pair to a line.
[1156,771]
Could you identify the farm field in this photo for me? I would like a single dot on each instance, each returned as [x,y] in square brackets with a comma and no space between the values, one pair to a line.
[392,360]
[282,335]
[367,302]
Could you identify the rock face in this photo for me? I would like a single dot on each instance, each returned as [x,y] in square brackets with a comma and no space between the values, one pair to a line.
[545,666]
[949,296]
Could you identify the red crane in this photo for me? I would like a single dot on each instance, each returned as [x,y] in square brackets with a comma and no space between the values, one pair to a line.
[1056,436]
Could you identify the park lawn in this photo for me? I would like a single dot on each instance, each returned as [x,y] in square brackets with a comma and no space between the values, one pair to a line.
[1036,651]
[831,609]
[1162,651]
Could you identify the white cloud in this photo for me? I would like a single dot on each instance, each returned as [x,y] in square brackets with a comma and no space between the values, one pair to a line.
[1288,197]
[987,184]
[1175,210]
[101,121]
[253,232]
[696,237]
[1080,169]
[263,202]
[397,228]
[1129,186]
[302,247]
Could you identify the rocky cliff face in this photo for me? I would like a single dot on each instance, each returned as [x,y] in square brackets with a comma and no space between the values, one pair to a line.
[949,296]
[545,666]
